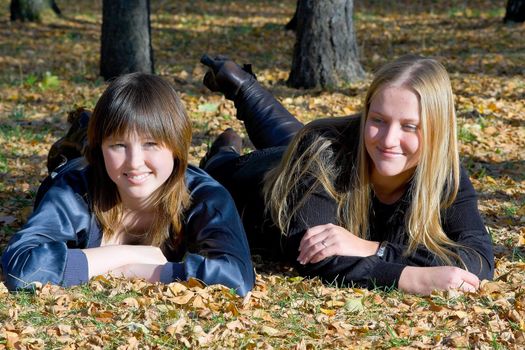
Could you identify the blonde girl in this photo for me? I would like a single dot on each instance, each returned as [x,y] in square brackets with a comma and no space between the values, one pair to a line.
[377,199]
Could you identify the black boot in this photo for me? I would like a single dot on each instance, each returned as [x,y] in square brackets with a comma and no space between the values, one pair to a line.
[73,144]
[267,122]
[229,141]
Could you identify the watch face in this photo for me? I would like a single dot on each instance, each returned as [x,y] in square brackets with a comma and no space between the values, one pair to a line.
[381,249]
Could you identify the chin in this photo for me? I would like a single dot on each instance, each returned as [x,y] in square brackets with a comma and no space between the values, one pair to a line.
[389,170]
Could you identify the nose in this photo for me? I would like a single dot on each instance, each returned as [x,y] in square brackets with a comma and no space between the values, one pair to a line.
[135,156]
[390,136]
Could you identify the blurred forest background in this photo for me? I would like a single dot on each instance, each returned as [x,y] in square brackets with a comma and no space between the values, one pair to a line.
[51,67]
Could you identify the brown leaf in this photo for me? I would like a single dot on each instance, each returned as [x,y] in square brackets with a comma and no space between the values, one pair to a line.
[177,327]
[183,299]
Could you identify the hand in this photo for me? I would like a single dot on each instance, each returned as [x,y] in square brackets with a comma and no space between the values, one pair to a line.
[225,75]
[423,280]
[323,241]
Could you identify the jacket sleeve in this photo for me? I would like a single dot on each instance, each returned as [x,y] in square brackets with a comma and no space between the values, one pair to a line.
[218,249]
[46,248]
[463,224]
[367,272]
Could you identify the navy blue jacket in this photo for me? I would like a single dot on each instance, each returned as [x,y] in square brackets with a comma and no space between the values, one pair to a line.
[49,247]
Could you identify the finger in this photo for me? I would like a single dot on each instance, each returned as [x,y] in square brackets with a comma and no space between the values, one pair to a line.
[310,234]
[318,229]
[470,278]
[321,255]
[306,256]
[467,287]
[311,238]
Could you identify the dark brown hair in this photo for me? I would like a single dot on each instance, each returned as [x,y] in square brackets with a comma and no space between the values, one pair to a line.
[147,105]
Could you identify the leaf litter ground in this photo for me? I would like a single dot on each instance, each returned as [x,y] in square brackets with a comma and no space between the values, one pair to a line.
[51,68]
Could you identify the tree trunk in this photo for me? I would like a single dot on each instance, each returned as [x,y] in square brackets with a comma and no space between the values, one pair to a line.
[292,24]
[126,38]
[325,52]
[515,11]
[32,10]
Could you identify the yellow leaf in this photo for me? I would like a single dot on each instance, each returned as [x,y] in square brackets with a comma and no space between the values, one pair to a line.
[328,312]
[269,331]
[489,179]
[233,309]
[335,303]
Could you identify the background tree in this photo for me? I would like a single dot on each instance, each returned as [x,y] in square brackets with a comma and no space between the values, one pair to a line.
[292,24]
[32,10]
[515,11]
[126,38]
[325,52]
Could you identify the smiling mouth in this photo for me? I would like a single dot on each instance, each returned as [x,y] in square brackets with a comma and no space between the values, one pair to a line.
[137,177]
[390,153]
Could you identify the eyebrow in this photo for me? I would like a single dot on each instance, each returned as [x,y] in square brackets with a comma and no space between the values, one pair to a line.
[409,120]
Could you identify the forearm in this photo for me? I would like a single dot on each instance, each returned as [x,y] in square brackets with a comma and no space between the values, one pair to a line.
[368,272]
[476,257]
[102,260]
[424,280]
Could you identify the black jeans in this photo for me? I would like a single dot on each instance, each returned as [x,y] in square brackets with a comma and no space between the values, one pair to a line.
[243,177]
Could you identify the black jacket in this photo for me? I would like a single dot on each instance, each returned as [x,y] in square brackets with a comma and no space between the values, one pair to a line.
[244,178]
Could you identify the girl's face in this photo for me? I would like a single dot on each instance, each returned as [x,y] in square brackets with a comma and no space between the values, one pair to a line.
[392,133]
[138,165]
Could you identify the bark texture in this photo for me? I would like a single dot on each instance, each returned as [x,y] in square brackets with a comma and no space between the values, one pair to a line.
[31,10]
[325,52]
[126,38]
[515,11]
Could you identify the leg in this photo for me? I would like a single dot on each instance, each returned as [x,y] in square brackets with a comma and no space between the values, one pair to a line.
[267,122]
[243,177]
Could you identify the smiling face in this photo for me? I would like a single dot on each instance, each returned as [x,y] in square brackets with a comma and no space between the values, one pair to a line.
[137,165]
[392,134]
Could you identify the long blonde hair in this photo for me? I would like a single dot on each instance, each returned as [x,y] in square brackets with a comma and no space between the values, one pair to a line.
[325,151]
[147,105]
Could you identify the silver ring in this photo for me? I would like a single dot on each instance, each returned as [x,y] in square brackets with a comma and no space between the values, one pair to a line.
[324,243]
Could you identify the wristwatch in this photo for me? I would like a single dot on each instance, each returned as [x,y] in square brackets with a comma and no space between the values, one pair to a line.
[381,250]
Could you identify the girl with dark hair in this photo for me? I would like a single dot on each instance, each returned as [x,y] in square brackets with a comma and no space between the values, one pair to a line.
[377,199]
[132,207]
